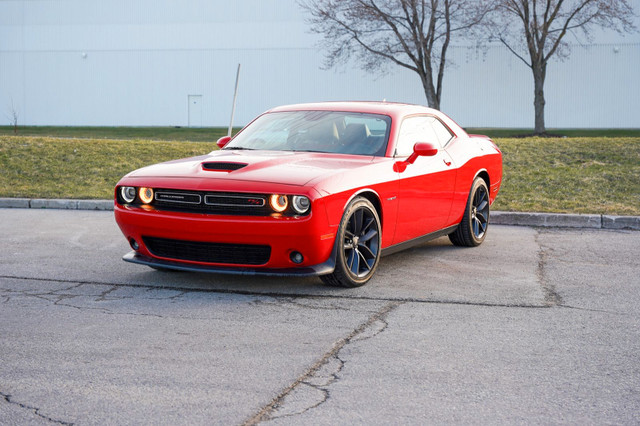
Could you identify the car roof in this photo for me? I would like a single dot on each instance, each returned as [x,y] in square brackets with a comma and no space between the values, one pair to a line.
[397,111]
[371,107]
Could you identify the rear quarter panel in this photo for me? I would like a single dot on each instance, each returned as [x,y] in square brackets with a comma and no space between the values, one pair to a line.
[473,155]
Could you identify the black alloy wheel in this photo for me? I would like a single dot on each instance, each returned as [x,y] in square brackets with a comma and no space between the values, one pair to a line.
[474,224]
[358,244]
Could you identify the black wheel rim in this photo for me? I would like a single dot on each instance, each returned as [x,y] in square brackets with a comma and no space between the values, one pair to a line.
[361,242]
[480,212]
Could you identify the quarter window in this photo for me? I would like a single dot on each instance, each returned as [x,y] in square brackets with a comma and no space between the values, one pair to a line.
[444,134]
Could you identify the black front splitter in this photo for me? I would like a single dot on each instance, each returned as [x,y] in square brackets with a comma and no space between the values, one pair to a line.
[306,271]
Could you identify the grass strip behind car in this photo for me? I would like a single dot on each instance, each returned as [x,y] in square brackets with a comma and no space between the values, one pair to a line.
[187,134]
[569,175]
[38,167]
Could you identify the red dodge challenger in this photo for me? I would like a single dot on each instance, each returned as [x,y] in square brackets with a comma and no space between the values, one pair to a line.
[315,189]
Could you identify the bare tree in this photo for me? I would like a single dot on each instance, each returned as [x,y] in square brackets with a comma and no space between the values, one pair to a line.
[536,30]
[413,34]
[13,117]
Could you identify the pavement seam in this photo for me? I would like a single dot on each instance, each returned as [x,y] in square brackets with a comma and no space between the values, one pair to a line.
[551,296]
[600,311]
[276,294]
[36,411]
[264,413]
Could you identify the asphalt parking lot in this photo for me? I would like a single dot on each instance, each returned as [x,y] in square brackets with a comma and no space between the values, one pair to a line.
[536,326]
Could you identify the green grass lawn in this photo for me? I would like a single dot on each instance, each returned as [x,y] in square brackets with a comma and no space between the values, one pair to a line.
[39,167]
[570,175]
[190,134]
[569,133]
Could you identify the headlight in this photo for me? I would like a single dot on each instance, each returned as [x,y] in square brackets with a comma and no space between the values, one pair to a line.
[146,195]
[279,203]
[128,194]
[300,204]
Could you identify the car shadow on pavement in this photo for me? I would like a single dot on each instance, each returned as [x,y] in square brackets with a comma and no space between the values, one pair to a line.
[435,271]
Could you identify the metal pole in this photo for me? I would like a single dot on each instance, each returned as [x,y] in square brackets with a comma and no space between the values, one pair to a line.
[235,96]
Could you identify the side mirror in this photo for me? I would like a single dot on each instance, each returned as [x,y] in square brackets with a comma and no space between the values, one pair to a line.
[421,149]
[223,141]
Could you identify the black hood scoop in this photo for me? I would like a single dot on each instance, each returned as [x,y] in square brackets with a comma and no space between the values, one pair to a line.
[218,166]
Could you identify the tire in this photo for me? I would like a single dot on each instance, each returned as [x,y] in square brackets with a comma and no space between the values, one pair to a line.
[358,241]
[475,222]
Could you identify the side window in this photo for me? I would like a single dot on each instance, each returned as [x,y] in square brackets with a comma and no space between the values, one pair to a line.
[444,134]
[415,129]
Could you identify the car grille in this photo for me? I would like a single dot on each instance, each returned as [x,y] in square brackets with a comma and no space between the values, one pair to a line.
[212,202]
[233,254]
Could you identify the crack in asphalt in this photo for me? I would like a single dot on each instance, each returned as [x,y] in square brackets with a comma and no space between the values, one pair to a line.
[331,307]
[104,294]
[270,411]
[103,310]
[318,382]
[322,379]
[58,298]
[36,411]
[551,296]
[601,311]
[278,294]
[176,297]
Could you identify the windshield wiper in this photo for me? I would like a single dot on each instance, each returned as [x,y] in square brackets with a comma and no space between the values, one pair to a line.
[240,148]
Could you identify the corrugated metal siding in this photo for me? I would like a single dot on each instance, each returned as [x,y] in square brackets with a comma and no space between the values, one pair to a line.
[597,86]
[144,58]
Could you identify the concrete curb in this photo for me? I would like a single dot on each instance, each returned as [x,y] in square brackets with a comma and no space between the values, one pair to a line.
[547,220]
[59,204]
[560,220]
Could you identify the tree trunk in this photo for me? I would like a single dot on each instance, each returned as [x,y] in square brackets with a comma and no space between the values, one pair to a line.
[539,74]
[430,92]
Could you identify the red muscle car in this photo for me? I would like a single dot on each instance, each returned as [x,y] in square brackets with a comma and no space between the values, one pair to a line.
[314,189]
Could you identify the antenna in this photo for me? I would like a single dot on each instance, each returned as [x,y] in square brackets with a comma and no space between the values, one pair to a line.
[235,97]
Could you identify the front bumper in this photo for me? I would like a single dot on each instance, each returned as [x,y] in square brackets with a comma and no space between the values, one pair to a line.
[308,271]
[312,236]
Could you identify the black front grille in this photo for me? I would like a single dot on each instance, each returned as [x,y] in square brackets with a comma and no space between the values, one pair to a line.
[237,204]
[234,201]
[178,197]
[196,251]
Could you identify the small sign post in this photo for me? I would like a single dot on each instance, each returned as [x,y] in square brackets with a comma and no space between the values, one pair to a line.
[235,96]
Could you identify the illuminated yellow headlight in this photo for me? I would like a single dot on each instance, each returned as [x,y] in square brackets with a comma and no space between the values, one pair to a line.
[146,195]
[279,203]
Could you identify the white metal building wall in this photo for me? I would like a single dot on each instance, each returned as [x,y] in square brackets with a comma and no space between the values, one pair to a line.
[123,62]
[598,86]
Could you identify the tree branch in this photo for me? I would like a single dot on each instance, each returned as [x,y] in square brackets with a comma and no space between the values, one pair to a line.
[514,52]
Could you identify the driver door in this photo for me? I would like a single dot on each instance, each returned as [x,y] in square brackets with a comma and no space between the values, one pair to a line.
[425,187]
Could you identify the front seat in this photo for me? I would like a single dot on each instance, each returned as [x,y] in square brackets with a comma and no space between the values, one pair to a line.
[355,139]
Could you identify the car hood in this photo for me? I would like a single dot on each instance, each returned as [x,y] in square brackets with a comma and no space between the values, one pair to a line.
[281,167]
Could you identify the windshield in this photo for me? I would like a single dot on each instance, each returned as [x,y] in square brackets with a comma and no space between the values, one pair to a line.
[316,131]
